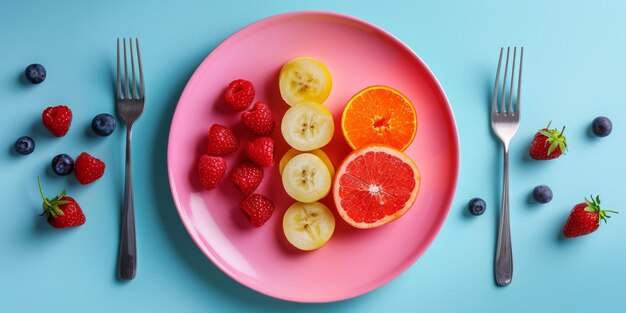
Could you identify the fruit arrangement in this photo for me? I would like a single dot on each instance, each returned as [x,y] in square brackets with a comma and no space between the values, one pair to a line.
[247,175]
[375,184]
[307,173]
[550,144]
[63,211]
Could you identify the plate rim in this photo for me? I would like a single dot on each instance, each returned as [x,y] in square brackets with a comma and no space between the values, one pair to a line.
[379,31]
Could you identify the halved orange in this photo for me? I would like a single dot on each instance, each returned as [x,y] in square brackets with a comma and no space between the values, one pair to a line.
[375,185]
[379,114]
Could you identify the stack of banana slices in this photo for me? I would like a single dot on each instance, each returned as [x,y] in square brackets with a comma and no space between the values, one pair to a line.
[307,173]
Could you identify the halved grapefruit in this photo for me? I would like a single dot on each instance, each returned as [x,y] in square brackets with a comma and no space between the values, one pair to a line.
[375,185]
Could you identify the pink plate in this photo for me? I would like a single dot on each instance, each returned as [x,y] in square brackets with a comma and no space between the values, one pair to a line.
[354,261]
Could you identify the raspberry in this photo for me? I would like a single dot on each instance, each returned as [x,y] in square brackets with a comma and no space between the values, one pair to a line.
[57,120]
[222,141]
[246,176]
[239,94]
[258,120]
[88,169]
[211,171]
[257,208]
[261,151]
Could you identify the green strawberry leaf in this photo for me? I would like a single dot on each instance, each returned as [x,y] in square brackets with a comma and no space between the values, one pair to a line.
[52,207]
[593,205]
[553,146]
[545,133]
[57,211]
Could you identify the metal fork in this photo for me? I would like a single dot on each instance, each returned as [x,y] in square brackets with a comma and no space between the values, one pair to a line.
[129,107]
[505,122]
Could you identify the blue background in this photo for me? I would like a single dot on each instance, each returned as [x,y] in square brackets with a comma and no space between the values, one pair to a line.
[574,71]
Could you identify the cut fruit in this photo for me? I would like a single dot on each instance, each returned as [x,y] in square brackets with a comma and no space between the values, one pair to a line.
[375,185]
[379,114]
[307,126]
[304,79]
[306,178]
[308,226]
[293,152]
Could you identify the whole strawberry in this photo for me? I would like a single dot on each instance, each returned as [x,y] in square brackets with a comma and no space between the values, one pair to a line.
[548,144]
[261,151]
[246,177]
[257,208]
[585,218]
[61,211]
[258,120]
[211,170]
[57,119]
[88,169]
[222,141]
[239,94]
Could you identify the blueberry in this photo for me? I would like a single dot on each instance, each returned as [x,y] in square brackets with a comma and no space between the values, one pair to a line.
[35,73]
[24,145]
[542,193]
[601,126]
[62,164]
[477,206]
[103,124]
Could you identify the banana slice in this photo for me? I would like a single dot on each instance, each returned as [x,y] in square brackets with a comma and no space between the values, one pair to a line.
[307,126]
[306,178]
[293,152]
[304,79]
[308,226]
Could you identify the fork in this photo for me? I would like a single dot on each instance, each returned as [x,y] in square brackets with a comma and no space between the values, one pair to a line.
[504,123]
[129,107]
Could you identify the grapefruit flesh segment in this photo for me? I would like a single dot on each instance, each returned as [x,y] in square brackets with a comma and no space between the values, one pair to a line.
[375,185]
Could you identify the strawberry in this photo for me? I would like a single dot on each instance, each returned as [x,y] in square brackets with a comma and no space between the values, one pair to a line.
[239,94]
[258,120]
[222,141]
[61,211]
[211,170]
[585,218]
[246,177]
[257,208]
[57,119]
[88,169]
[261,151]
[548,144]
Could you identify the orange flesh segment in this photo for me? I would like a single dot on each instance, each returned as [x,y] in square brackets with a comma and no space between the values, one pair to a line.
[379,114]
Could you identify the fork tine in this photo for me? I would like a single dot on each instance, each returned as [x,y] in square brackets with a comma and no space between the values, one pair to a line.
[512,79]
[494,99]
[127,94]
[141,90]
[132,67]
[119,82]
[506,69]
[518,104]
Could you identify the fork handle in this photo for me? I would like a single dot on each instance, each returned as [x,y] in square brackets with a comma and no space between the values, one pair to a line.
[504,252]
[127,261]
